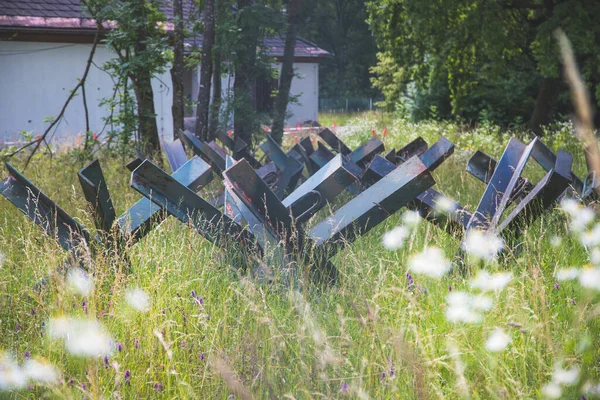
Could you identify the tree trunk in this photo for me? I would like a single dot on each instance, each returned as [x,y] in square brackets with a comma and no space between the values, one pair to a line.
[177,70]
[205,71]
[148,131]
[243,108]
[142,86]
[287,71]
[215,109]
[544,104]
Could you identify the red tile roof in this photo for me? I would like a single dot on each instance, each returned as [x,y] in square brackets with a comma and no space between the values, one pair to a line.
[68,14]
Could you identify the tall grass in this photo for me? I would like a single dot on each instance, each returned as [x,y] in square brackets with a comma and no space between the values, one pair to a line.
[377,333]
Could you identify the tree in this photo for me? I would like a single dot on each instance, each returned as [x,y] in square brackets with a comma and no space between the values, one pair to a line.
[245,71]
[141,45]
[206,67]
[287,71]
[474,44]
[178,106]
[340,27]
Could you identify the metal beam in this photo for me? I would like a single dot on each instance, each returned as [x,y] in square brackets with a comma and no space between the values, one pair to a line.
[96,194]
[45,213]
[136,222]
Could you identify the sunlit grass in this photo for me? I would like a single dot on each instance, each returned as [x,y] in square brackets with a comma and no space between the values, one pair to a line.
[374,334]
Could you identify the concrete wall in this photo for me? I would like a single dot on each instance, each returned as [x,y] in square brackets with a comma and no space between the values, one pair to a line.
[35,80]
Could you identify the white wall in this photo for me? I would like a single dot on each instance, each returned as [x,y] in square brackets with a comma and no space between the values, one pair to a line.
[305,84]
[35,80]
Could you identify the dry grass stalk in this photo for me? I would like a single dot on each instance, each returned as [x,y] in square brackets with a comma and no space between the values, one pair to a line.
[584,126]
[228,375]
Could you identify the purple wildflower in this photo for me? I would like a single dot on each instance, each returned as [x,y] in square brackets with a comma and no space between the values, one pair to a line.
[202,356]
[410,283]
[83,386]
[18,327]
[106,361]
[193,294]
[84,306]
[119,347]
[449,288]
[159,387]
[137,343]
[556,286]
[27,355]
[344,387]
[382,376]
[127,376]
[71,381]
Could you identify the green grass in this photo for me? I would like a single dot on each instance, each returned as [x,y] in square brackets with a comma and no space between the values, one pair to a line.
[274,340]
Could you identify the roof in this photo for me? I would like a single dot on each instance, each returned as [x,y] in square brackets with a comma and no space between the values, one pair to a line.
[67,16]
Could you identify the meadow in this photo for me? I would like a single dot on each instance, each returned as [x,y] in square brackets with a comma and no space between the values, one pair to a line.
[188,322]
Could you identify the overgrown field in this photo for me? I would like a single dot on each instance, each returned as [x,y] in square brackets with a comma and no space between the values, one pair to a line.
[383,331]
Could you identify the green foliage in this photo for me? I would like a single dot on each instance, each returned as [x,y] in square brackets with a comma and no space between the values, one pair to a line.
[491,55]
[340,28]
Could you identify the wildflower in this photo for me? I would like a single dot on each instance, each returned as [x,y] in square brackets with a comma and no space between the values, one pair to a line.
[590,278]
[82,337]
[80,281]
[556,286]
[462,307]
[410,283]
[444,204]
[71,381]
[497,341]
[127,376]
[84,306]
[159,387]
[106,361]
[483,245]
[430,262]
[11,375]
[394,239]
[488,283]
[202,356]
[199,300]
[590,238]
[565,376]
[119,347]
[551,391]
[411,218]
[567,274]
[382,376]
[40,372]
[137,344]
[27,355]
[138,299]
[581,217]
[344,387]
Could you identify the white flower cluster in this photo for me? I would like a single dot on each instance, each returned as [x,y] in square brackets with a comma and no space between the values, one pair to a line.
[560,377]
[430,262]
[482,244]
[497,341]
[83,337]
[138,299]
[394,239]
[581,216]
[468,308]
[464,307]
[589,278]
[80,281]
[14,376]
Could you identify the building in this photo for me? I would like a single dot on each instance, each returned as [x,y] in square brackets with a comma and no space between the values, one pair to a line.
[44,47]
